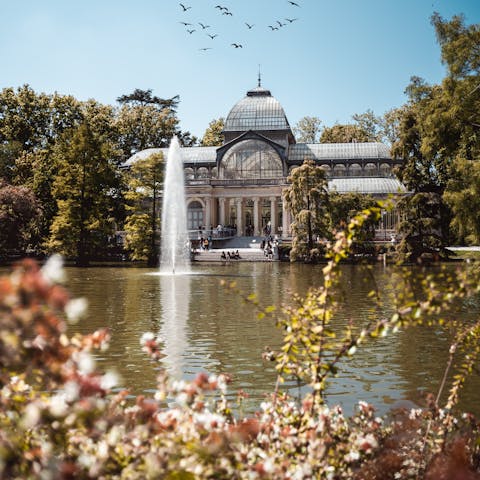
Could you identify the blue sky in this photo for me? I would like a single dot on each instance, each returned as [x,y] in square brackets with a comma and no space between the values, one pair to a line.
[339,58]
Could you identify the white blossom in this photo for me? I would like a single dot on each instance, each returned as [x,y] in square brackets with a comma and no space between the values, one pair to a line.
[76,309]
[109,380]
[53,270]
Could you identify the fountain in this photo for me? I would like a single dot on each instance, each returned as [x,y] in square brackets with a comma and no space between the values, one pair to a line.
[175,243]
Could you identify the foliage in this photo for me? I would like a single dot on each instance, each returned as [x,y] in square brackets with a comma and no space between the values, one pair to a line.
[438,129]
[462,196]
[308,130]
[19,217]
[213,136]
[344,134]
[145,180]
[145,97]
[84,190]
[345,206]
[60,419]
[371,124]
[35,120]
[307,199]
[420,228]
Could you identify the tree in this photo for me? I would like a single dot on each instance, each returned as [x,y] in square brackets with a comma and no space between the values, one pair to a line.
[146,121]
[343,134]
[143,98]
[439,127]
[144,126]
[344,206]
[213,136]
[19,216]
[308,130]
[369,123]
[420,227]
[307,199]
[462,195]
[83,190]
[141,225]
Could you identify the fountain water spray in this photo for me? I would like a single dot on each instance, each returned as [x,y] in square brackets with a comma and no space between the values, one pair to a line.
[175,244]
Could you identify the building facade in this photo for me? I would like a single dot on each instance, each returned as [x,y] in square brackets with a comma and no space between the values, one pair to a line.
[240,183]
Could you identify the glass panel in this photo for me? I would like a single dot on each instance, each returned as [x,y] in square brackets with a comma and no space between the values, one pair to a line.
[251,159]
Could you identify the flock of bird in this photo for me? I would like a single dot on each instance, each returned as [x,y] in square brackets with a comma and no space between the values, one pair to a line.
[191,28]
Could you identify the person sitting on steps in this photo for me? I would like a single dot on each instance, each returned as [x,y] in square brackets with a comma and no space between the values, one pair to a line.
[223,256]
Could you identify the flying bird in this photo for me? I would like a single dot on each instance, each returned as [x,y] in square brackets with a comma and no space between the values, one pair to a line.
[184,7]
[249,26]
[220,7]
[205,49]
[273,28]
[280,24]
[293,3]
[191,31]
[291,20]
[237,45]
[203,26]
[226,12]
[212,36]
[185,23]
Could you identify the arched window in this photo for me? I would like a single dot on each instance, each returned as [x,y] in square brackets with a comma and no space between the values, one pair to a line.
[202,172]
[189,175]
[370,170]
[251,159]
[385,170]
[355,170]
[339,170]
[194,215]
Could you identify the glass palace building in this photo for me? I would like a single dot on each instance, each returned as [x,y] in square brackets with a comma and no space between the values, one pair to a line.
[240,183]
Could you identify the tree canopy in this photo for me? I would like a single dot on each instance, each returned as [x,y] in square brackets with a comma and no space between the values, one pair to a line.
[308,129]
[307,199]
[213,136]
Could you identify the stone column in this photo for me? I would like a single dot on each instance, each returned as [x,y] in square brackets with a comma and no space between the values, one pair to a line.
[273,214]
[239,202]
[208,213]
[221,211]
[285,220]
[256,216]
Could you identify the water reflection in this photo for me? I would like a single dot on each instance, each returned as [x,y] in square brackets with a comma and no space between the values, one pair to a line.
[208,329]
[174,308]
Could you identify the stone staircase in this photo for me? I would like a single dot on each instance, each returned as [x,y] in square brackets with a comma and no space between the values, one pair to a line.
[246,255]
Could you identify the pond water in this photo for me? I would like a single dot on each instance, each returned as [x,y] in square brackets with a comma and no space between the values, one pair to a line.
[206,328]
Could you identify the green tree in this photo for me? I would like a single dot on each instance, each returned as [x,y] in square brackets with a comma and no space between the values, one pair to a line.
[463,197]
[213,136]
[307,199]
[420,227]
[371,124]
[19,216]
[344,134]
[439,127]
[145,180]
[308,130]
[344,206]
[145,121]
[84,191]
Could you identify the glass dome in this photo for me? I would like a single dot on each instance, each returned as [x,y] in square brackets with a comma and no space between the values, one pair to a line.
[257,111]
[251,159]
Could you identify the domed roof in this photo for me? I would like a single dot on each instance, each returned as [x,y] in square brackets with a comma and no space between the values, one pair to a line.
[257,111]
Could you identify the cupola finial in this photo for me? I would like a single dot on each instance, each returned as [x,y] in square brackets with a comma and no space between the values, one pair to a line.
[259,77]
